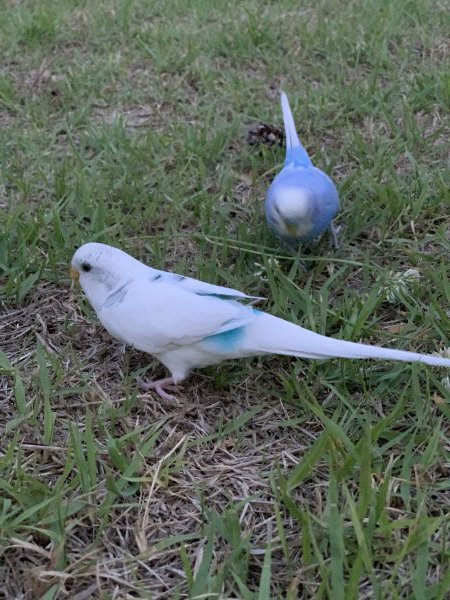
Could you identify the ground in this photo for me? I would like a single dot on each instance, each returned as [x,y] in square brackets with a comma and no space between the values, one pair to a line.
[127,123]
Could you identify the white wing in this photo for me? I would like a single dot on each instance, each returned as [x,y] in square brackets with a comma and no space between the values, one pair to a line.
[199,287]
[157,316]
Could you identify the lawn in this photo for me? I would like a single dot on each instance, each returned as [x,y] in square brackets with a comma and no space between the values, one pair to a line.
[126,122]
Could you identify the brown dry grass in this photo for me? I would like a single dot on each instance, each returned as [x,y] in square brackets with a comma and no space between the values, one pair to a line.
[169,502]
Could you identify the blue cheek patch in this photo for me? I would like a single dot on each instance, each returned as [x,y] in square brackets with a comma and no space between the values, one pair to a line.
[228,340]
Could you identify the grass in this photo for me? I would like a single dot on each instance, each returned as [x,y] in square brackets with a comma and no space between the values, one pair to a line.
[124,122]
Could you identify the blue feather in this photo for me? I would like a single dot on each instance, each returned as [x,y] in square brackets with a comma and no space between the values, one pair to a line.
[302,200]
[228,340]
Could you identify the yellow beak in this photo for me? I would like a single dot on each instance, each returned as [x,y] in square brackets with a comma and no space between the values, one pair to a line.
[74,274]
[291,229]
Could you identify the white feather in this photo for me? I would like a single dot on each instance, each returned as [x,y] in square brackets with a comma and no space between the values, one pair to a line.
[272,335]
[181,320]
[157,316]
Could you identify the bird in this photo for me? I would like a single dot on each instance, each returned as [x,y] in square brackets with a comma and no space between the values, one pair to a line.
[187,324]
[302,200]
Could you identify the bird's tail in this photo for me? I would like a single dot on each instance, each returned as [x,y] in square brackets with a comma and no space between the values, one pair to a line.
[271,335]
[295,151]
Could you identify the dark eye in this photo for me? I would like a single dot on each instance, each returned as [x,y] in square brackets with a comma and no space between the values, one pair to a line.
[86,267]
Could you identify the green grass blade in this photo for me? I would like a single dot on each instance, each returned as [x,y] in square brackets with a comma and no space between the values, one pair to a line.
[264,582]
[336,535]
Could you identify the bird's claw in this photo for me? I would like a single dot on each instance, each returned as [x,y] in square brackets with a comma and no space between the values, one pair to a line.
[334,232]
[159,387]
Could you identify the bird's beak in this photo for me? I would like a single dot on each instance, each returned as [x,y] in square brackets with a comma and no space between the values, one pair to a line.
[74,274]
[291,229]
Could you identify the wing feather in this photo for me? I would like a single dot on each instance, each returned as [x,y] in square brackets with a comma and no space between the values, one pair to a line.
[156,316]
[199,287]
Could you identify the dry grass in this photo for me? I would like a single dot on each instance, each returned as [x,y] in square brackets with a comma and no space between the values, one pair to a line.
[192,467]
[127,123]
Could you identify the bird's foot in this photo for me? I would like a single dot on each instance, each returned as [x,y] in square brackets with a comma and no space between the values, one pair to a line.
[334,232]
[159,386]
[298,263]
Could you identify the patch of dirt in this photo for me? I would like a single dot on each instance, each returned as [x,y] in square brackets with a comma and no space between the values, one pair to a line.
[133,117]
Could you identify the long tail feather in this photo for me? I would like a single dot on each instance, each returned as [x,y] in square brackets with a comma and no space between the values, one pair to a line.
[294,148]
[292,138]
[273,335]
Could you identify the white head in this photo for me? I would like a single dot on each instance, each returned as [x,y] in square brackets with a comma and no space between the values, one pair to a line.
[100,269]
[294,203]
[294,206]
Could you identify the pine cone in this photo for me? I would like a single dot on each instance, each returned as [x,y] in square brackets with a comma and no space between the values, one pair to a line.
[262,133]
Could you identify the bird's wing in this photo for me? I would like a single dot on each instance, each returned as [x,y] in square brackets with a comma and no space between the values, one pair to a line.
[200,287]
[159,315]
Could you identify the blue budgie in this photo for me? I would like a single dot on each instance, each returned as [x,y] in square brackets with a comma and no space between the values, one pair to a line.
[186,323]
[302,200]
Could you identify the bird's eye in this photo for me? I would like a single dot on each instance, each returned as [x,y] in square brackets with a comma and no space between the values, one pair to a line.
[86,267]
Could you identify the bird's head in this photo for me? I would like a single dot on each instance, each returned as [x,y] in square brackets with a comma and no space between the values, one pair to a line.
[294,208]
[100,269]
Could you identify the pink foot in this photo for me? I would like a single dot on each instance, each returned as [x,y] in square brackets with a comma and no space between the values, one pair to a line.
[334,232]
[159,386]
